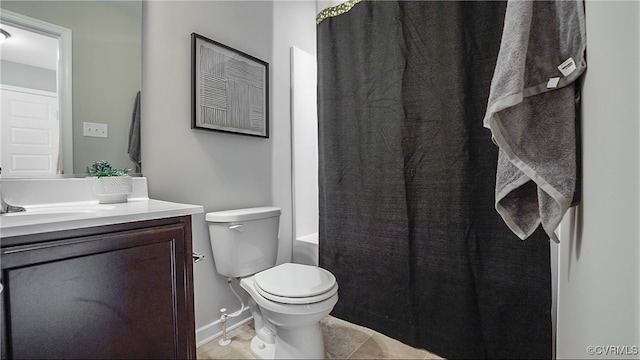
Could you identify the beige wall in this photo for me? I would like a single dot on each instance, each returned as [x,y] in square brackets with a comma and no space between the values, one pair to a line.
[599,271]
[218,170]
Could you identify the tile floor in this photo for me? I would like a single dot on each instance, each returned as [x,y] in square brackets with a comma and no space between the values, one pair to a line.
[342,339]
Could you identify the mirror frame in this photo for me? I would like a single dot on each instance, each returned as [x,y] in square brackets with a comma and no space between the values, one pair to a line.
[64,78]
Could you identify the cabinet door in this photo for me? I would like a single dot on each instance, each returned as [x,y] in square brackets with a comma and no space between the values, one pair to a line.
[120,295]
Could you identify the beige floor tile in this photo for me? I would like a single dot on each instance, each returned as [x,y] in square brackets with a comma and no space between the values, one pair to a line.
[342,338]
[432,356]
[239,348]
[379,346]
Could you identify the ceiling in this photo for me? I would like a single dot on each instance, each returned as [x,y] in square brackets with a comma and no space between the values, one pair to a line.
[29,48]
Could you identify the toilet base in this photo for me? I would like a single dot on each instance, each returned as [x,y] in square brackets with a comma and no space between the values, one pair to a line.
[297,343]
[262,350]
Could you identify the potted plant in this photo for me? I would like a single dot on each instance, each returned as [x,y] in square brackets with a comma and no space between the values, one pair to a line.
[110,185]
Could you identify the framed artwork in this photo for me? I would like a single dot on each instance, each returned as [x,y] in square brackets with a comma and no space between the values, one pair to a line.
[230,89]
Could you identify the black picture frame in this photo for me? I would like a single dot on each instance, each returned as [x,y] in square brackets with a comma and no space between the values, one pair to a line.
[230,89]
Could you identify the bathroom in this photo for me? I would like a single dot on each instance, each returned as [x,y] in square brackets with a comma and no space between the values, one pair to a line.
[598,298]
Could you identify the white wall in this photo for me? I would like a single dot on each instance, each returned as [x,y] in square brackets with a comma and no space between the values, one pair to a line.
[599,273]
[294,25]
[27,76]
[218,170]
[304,127]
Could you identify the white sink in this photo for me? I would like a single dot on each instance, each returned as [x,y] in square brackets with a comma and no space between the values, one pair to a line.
[69,203]
[40,213]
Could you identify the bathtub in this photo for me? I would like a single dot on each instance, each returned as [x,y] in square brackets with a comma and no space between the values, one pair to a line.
[305,250]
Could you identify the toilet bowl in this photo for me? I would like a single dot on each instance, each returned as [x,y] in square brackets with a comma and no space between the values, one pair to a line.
[294,298]
[288,300]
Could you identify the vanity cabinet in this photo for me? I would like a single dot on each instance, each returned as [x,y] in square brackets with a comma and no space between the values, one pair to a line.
[116,291]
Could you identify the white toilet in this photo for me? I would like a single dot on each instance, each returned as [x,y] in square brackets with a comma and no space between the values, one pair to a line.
[287,301]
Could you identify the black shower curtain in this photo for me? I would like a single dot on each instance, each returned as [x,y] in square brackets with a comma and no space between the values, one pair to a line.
[407,178]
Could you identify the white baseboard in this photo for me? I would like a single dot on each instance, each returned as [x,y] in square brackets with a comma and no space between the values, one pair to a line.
[213,330]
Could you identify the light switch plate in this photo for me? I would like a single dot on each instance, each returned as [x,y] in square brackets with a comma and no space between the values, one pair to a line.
[95,130]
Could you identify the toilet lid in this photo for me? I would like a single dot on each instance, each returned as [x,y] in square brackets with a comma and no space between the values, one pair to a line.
[295,283]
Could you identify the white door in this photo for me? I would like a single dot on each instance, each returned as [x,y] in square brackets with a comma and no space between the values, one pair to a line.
[29,132]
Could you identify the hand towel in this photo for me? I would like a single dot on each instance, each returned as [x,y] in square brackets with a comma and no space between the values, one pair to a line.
[134,135]
[531,112]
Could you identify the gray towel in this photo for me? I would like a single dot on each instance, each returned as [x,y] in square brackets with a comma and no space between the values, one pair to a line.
[532,112]
[134,135]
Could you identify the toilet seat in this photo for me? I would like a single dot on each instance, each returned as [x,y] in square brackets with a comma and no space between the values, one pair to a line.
[295,284]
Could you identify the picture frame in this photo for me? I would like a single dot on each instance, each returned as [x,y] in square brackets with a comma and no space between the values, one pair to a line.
[230,89]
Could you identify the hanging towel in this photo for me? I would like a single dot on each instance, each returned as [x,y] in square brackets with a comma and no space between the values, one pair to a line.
[134,135]
[532,112]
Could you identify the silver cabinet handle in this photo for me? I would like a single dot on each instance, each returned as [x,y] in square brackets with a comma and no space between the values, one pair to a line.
[197,257]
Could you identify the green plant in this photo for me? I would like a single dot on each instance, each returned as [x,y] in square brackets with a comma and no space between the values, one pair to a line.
[102,168]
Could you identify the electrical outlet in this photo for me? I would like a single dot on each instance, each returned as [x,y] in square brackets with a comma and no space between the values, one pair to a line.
[95,130]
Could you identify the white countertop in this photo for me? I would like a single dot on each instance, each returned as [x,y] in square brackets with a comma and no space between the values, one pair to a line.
[73,215]
[64,204]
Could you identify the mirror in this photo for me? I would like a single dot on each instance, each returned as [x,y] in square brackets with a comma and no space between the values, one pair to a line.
[101,43]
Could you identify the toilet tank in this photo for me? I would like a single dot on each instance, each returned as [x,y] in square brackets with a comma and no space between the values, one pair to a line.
[244,241]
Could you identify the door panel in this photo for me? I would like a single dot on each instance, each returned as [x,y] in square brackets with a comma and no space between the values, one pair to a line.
[30,133]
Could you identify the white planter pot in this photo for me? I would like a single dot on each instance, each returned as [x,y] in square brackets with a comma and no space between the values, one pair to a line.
[112,189]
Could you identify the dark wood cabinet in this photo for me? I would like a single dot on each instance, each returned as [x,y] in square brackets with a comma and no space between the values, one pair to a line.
[118,291]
